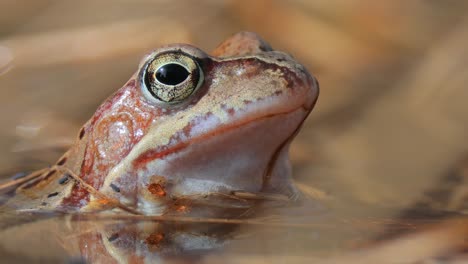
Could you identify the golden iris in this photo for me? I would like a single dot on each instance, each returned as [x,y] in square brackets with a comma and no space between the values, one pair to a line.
[172,77]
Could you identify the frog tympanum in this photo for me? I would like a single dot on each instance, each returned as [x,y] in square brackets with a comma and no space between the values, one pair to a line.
[185,135]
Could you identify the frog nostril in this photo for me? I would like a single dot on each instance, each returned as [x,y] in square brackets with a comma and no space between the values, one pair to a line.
[172,74]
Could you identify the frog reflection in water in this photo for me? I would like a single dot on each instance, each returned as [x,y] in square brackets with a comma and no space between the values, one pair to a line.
[184,135]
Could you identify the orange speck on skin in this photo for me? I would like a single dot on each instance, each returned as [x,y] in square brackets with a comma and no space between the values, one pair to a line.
[182,209]
[155,239]
[103,201]
[157,189]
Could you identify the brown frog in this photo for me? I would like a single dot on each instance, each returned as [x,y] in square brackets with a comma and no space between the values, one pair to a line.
[188,134]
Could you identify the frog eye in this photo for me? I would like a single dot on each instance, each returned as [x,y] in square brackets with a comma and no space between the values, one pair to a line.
[172,77]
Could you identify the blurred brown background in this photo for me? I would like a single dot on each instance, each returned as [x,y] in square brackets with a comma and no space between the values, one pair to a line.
[389,128]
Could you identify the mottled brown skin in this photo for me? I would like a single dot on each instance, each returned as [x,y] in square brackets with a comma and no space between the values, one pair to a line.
[140,155]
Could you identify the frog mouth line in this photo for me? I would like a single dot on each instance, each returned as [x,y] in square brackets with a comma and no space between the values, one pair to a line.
[274,157]
[153,154]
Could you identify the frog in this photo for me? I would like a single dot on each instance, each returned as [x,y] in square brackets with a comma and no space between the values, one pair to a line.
[189,133]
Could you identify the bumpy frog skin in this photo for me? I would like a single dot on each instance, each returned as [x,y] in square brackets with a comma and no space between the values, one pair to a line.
[230,132]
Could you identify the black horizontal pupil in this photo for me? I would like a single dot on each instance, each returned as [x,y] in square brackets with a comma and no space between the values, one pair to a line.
[172,74]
